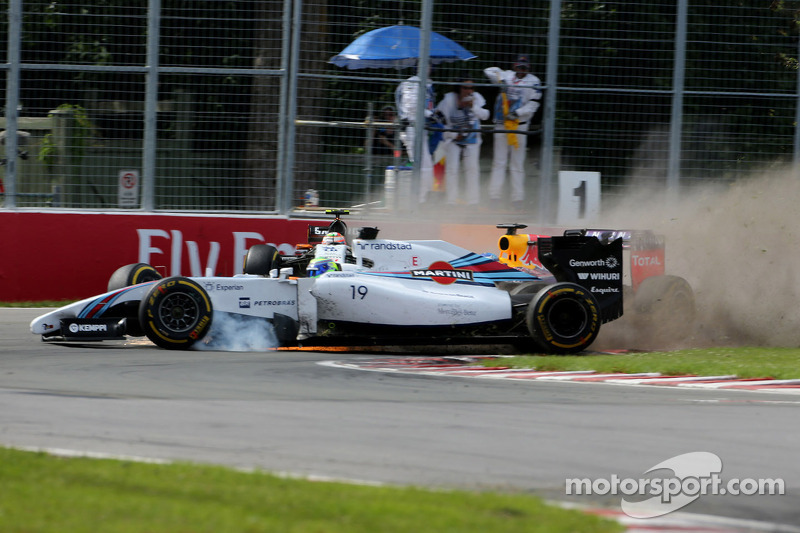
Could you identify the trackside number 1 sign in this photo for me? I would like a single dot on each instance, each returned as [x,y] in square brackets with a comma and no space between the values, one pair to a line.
[578,196]
[128,188]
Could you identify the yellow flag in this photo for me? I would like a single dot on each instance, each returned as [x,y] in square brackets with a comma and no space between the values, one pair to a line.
[509,123]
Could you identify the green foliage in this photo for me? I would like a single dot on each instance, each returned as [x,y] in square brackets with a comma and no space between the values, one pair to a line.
[82,131]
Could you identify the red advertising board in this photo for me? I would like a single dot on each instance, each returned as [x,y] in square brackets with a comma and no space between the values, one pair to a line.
[52,256]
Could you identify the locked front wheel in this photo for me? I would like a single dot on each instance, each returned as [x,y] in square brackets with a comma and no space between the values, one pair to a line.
[176,313]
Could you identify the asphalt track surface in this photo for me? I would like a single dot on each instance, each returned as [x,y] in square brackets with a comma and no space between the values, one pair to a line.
[283,412]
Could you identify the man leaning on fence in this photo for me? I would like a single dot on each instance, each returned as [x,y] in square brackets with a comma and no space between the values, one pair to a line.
[514,109]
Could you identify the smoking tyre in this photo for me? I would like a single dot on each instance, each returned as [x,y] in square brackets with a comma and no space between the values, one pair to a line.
[176,313]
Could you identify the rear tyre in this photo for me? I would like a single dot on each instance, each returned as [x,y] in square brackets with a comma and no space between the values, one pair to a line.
[666,306]
[563,318]
[132,274]
[176,313]
[260,259]
[665,294]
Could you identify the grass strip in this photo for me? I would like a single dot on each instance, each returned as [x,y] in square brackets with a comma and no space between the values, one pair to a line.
[43,303]
[44,493]
[744,362]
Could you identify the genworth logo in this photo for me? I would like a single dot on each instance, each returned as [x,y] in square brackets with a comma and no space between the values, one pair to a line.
[695,474]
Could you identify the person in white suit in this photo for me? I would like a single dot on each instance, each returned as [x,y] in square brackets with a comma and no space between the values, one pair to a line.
[462,109]
[406,103]
[514,108]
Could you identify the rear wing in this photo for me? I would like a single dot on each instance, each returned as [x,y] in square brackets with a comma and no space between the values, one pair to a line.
[316,232]
[647,251]
[590,262]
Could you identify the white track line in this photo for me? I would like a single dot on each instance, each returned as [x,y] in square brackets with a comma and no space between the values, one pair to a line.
[743,383]
[675,379]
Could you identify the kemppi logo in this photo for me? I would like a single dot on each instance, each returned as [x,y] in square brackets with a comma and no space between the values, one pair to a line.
[87,328]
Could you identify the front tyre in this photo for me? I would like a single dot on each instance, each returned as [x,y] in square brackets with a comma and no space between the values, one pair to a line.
[126,276]
[132,274]
[563,318]
[176,313]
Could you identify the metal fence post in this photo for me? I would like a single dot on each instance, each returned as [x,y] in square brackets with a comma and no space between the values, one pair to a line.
[549,116]
[12,101]
[285,203]
[676,122]
[796,147]
[283,167]
[151,106]
[420,133]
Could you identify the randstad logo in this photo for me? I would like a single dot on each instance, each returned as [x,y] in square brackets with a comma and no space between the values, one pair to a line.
[695,474]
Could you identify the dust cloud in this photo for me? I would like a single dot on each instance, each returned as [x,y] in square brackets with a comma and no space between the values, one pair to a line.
[738,246]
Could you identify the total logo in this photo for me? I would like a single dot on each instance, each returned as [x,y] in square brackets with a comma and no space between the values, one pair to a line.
[645,260]
[443,272]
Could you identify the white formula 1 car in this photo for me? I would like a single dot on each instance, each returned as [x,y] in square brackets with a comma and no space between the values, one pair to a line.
[382,291]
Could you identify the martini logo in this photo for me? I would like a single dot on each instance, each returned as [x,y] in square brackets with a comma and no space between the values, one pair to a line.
[443,272]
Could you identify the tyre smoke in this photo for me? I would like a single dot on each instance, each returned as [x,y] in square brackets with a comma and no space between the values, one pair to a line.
[233,333]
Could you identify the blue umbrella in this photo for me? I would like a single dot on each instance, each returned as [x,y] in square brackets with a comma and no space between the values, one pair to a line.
[398,47]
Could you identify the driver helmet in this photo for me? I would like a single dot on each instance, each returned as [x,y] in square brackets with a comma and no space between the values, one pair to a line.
[333,238]
[320,265]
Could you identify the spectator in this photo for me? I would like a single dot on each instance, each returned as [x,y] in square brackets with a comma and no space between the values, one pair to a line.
[406,99]
[514,109]
[462,109]
[385,135]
